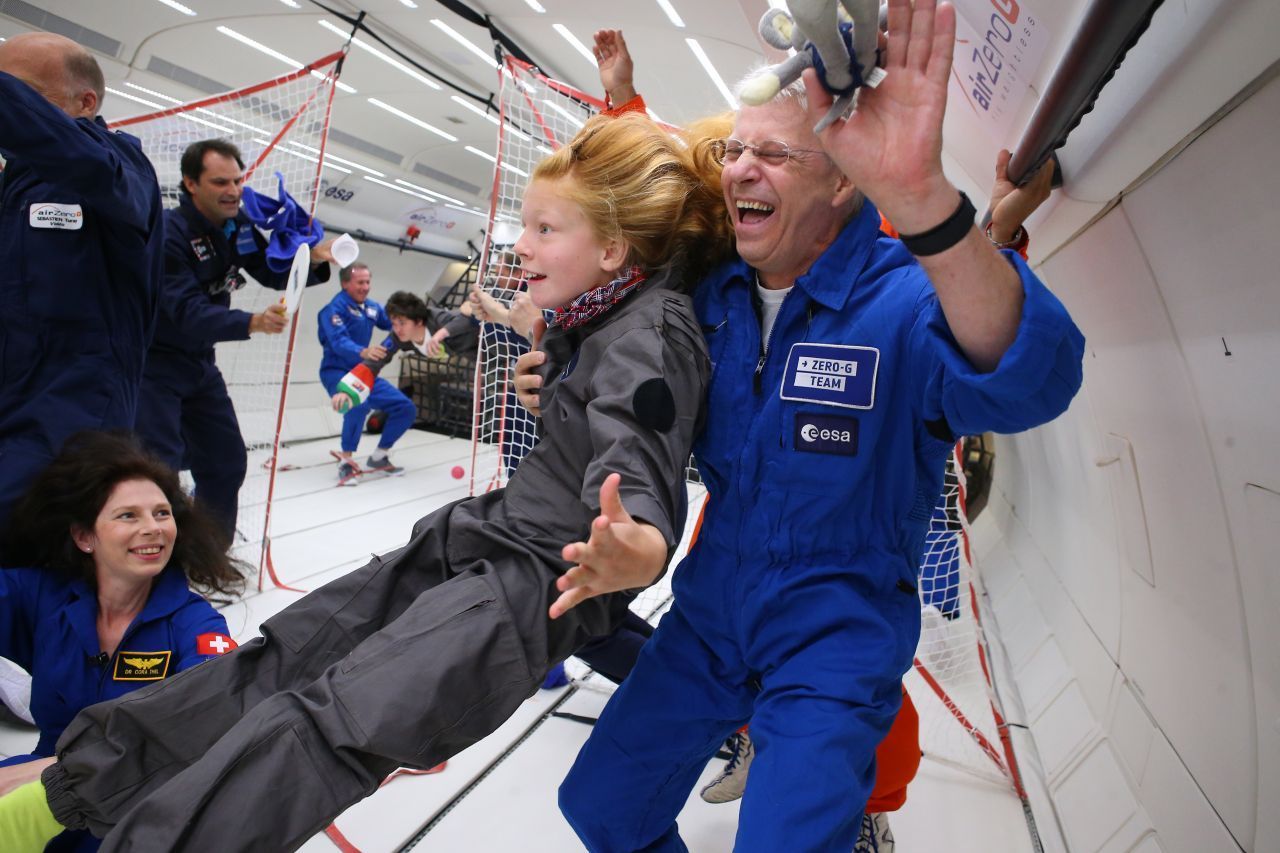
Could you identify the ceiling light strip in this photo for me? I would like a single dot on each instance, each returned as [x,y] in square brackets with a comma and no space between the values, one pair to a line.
[277,55]
[577,45]
[440,195]
[671,13]
[711,72]
[385,57]
[412,119]
[392,186]
[462,40]
[174,4]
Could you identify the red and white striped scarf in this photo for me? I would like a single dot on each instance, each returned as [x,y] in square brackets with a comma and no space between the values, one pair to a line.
[598,300]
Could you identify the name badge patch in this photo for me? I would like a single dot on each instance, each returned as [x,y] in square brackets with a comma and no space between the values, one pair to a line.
[834,374]
[834,434]
[141,666]
[63,217]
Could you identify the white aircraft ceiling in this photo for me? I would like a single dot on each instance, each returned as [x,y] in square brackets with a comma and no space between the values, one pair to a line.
[153,44]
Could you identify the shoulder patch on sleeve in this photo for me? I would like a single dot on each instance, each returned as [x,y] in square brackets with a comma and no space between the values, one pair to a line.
[214,644]
[654,405]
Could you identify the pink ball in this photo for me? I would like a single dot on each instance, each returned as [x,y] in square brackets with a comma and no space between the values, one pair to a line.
[458,472]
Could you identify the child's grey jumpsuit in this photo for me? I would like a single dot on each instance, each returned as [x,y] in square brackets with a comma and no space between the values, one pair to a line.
[423,651]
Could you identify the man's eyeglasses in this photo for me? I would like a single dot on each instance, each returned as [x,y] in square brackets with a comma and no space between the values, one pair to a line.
[770,151]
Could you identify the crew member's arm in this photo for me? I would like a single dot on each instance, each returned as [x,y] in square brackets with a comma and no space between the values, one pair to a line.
[187,306]
[19,593]
[992,347]
[202,633]
[616,73]
[891,148]
[255,263]
[354,388]
[17,609]
[76,154]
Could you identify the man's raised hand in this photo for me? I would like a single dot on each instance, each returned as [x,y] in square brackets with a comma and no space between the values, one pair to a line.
[891,146]
[621,553]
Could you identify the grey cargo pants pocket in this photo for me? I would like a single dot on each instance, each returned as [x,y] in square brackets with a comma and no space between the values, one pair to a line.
[444,674]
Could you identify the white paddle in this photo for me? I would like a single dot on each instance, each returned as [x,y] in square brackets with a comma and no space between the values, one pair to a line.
[297,278]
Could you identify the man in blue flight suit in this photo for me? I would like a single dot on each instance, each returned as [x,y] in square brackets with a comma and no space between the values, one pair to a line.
[80,258]
[845,364]
[345,328]
[184,413]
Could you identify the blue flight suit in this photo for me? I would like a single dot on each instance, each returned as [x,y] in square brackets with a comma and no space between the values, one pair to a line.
[48,626]
[80,268]
[344,328]
[797,608]
[185,414]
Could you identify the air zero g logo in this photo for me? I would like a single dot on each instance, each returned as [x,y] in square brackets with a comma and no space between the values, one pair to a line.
[832,434]
[61,217]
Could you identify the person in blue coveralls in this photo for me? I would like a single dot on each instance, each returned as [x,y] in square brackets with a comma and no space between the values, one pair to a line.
[108,542]
[185,414]
[345,328]
[845,363]
[80,258]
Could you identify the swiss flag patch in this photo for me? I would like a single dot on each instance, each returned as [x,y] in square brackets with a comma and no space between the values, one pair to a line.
[214,644]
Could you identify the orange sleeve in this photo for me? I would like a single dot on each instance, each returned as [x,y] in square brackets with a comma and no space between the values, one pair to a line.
[635,105]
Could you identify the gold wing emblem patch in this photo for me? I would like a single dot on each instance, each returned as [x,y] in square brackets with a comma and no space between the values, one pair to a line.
[141,666]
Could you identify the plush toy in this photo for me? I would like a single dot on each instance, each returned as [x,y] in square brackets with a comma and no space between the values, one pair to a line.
[837,38]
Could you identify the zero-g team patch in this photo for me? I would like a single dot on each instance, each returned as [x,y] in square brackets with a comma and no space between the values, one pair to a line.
[141,666]
[835,434]
[61,217]
[835,374]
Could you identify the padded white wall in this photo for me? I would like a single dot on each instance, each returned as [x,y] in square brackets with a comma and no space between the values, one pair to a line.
[1130,557]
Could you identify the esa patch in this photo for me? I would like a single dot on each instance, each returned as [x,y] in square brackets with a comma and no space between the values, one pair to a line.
[214,644]
[832,434]
[141,666]
[654,405]
[834,374]
[203,248]
[245,244]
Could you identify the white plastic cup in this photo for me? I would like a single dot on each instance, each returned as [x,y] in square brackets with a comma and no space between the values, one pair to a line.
[345,250]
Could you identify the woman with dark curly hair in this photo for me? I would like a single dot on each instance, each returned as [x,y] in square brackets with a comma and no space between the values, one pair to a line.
[103,604]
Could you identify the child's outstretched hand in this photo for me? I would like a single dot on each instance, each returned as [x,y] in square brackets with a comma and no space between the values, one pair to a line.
[622,553]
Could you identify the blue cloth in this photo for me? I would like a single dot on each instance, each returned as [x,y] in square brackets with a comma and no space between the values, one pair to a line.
[188,420]
[48,626]
[80,269]
[289,224]
[344,328]
[186,416]
[797,608]
[401,412]
[202,267]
